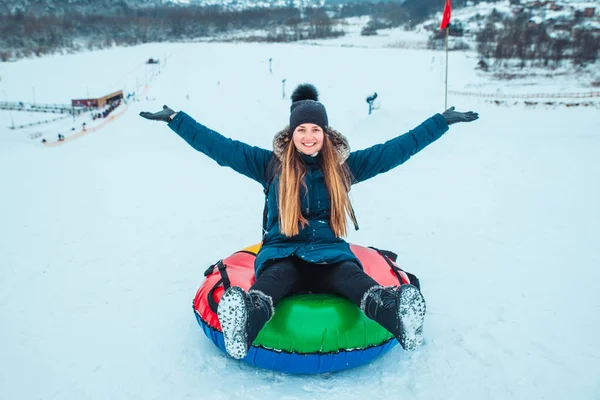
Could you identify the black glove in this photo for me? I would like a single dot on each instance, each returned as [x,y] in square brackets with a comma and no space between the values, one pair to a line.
[164,115]
[453,117]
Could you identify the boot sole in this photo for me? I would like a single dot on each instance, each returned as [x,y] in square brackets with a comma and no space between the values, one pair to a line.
[411,312]
[233,317]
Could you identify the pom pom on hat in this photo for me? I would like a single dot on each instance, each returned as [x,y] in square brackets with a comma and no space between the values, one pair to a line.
[306,91]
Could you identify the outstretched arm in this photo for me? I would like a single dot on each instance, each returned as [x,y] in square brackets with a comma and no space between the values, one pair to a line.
[367,163]
[248,160]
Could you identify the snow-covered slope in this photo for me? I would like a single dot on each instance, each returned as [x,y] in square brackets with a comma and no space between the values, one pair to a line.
[104,239]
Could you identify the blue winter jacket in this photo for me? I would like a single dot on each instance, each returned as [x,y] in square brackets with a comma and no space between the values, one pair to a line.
[316,242]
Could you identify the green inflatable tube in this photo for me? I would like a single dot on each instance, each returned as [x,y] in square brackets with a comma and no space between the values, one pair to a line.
[325,323]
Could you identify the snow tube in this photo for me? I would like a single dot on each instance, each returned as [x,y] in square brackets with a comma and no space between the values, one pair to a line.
[309,333]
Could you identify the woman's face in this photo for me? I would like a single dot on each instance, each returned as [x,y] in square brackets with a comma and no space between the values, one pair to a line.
[308,138]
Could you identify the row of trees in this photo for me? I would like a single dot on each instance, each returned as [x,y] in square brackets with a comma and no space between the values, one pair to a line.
[23,34]
[533,44]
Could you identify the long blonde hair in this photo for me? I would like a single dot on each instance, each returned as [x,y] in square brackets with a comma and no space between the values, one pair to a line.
[337,180]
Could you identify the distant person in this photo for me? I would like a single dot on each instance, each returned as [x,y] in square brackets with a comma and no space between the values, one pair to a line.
[308,205]
[371,100]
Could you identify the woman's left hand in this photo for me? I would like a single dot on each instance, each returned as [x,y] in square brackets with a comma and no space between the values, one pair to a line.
[453,117]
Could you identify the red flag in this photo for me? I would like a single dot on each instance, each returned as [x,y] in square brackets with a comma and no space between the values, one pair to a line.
[447,12]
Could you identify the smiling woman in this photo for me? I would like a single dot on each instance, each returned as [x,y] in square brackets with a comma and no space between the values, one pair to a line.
[307,179]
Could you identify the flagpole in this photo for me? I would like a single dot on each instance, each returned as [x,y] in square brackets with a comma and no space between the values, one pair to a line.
[446,94]
[446,25]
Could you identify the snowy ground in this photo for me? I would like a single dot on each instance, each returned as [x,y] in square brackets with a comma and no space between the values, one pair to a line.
[104,239]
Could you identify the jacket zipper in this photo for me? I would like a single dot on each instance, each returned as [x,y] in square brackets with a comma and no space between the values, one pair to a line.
[308,196]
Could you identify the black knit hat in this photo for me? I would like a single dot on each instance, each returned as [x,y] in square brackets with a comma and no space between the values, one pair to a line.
[306,108]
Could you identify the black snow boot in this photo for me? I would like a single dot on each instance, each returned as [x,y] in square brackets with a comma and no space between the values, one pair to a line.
[400,310]
[242,315]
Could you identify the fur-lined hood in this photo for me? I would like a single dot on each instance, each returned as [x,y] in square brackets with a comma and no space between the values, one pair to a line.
[339,141]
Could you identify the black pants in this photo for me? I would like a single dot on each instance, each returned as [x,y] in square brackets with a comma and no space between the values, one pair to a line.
[292,275]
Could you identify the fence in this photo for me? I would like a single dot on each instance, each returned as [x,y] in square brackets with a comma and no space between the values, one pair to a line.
[582,95]
[39,122]
[77,135]
[46,108]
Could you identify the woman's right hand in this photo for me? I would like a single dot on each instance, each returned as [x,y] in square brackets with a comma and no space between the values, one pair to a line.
[453,117]
[165,115]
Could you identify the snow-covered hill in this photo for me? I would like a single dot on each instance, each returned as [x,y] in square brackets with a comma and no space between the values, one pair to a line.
[104,239]
[559,16]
